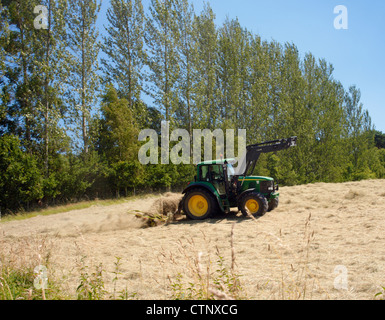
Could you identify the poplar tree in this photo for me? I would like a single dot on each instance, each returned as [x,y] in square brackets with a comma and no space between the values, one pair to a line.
[123,46]
[52,68]
[84,48]
[19,70]
[329,120]
[206,114]
[4,38]
[360,134]
[288,104]
[233,62]
[258,90]
[187,52]
[274,52]
[162,57]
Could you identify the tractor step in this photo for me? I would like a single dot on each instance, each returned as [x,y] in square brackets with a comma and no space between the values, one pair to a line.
[225,204]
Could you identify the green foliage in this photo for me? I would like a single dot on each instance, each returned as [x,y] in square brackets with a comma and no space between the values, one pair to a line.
[20,178]
[73,143]
[14,283]
[19,284]
[379,139]
[118,144]
[91,286]
[381,159]
[118,136]
[126,175]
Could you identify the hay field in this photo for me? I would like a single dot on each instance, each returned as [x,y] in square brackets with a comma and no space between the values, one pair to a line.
[325,241]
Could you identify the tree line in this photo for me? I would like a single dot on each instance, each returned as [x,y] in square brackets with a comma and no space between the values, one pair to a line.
[73,99]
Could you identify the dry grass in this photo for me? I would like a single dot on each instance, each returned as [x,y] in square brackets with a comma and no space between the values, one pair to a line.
[201,275]
[23,268]
[297,280]
[290,253]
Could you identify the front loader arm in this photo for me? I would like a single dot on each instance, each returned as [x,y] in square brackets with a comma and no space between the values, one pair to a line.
[254,151]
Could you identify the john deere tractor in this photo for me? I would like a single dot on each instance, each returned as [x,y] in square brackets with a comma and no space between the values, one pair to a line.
[218,186]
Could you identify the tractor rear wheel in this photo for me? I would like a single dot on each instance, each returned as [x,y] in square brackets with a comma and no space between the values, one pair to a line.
[254,203]
[199,204]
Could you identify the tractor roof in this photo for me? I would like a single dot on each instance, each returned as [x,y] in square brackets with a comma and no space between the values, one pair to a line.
[221,161]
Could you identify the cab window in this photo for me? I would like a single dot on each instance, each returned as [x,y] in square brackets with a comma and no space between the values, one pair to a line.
[204,173]
[216,172]
[211,172]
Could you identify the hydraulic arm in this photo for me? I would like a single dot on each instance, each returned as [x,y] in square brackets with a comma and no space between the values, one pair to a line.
[253,152]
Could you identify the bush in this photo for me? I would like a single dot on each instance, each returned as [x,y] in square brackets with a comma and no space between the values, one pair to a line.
[20,179]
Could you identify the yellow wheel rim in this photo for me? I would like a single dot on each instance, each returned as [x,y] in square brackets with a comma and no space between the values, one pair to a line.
[252,205]
[198,206]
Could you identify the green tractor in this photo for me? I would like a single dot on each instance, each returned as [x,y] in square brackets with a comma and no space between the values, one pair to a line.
[218,186]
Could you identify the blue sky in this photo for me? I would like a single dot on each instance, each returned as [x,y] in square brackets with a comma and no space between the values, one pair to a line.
[357,54]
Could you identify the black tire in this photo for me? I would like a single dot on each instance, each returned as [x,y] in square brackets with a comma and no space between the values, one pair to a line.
[199,204]
[255,203]
[273,204]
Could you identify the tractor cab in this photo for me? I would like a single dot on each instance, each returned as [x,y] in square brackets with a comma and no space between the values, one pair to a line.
[218,173]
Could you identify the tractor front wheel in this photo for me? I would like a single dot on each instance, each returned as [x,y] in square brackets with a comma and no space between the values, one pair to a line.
[254,203]
[273,204]
[199,204]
